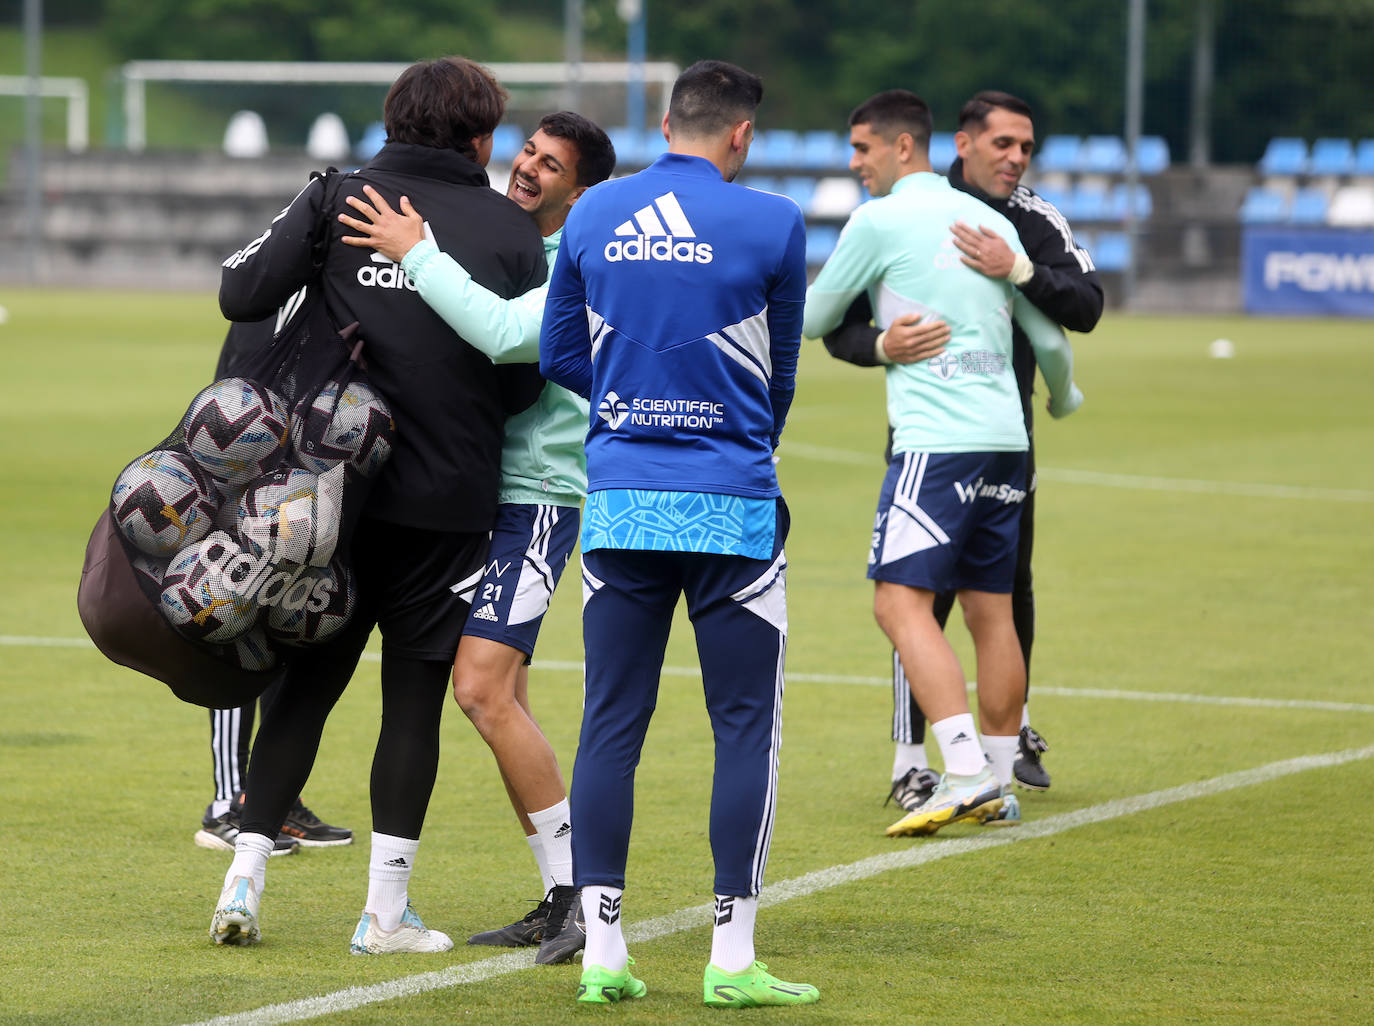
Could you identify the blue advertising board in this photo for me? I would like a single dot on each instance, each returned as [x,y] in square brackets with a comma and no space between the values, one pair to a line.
[1313,272]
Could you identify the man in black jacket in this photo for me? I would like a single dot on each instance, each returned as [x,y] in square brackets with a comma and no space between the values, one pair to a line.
[423,530]
[995,139]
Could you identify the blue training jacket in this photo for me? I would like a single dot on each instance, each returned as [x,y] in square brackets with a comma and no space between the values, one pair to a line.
[675,306]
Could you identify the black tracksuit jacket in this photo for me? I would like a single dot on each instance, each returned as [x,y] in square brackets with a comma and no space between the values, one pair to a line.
[448,400]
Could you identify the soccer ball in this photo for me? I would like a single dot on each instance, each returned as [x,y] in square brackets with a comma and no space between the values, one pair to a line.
[290,516]
[316,605]
[149,569]
[227,516]
[252,650]
[236,429]
[199,599]
[354,428]
[161,503]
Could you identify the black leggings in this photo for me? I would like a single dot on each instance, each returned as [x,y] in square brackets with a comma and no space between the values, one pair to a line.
[406,761]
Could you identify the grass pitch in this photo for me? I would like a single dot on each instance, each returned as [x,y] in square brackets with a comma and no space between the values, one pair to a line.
[1203,559]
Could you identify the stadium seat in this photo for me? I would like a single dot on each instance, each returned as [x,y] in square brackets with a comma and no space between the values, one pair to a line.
[373,139]
[820,243]
[1059,153]
[328,139]
[801,188]
[1119,204]
[825,151]
[1152,155]
[1310,205]
[1112,251]
[836,197]
[1263,205]
[1090,203]
[778,147]
[763,183]
[1061,197]
[245,135]
[1102,155]
[1333,157]
[1284,156]
[1364,158]
[506,142]
[942,151]
[1352,206]
[635,148]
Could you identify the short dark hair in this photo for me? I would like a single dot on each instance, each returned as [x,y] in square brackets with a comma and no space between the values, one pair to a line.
[444,103]
[712,97]
[893,112]
[595,153]
[974,114]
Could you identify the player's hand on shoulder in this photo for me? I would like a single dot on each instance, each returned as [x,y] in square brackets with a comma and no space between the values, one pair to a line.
[983,250]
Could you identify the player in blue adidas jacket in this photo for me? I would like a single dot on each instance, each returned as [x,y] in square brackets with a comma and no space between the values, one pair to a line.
[675,306]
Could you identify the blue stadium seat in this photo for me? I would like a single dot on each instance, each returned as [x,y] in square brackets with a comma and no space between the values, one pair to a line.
[825,151]
[1112,251]
[1263,205]
[1062,198]
[942,151]
[1309,206]
[1284,156]
[1332,157]
[1058,153]
[1120,203]
[1152,154]
[777,147]
[763,183]
[1091,203]
[635,148]
[820,243]
[373,139]
[506,142]
[1102,155]
[1364,158]
[801,188]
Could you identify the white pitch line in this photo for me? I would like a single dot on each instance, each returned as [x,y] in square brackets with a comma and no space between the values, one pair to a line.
[917,854]
[566,666]
[1138,482]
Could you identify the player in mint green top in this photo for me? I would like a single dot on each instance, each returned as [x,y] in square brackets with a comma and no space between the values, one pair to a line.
[543,484]
[949,507]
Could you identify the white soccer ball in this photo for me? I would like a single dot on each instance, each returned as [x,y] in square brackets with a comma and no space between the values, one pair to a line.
[252,650]
[161,502]
[314,607]
[198,598]
[355,428]
[1221,349]
[285,516]
[149,569]
[236,429]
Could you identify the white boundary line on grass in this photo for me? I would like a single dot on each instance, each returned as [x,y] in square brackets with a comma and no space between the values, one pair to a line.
[802,886]
[827,454]
[567,666]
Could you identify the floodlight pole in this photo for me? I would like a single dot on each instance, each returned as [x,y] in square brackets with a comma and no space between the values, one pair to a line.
[1135,76]
[1200,136]
[33,132]
[572,52]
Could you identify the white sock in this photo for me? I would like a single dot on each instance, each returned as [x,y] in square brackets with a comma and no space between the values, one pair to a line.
[388,877]
[554,825]
[732,940]
[1001,754]
[908,757]
[958,741]
[1025,715]
[250,859]
[537,847]
[605,940]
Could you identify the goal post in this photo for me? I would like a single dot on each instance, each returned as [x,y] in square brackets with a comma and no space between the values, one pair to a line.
[73,90]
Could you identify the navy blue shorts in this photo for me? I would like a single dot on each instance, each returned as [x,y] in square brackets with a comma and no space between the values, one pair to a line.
[949,521]
[530,547]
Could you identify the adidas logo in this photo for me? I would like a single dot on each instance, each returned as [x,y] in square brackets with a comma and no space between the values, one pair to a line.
[487,612]
[399,862]
[563,831]
[658,231]
[387,275]
[959,738]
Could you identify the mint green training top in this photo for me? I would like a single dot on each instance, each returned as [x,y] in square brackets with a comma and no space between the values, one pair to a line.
[900,248]
[543,459]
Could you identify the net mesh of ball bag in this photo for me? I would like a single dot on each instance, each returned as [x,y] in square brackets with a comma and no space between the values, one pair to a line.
[224,550]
